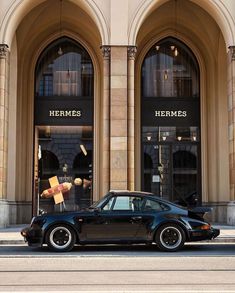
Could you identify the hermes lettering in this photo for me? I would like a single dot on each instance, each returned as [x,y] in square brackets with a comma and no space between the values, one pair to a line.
[170,113]
[65,113]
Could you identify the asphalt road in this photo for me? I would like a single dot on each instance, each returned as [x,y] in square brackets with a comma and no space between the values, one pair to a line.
[197,268]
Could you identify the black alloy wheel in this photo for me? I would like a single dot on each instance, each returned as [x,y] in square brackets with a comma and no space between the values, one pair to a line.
[170,237]
[60,238]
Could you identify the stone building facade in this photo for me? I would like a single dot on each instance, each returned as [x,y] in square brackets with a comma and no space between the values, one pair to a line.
[114,49]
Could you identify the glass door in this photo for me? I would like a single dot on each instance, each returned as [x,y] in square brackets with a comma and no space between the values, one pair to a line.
[171,164]
[185,175]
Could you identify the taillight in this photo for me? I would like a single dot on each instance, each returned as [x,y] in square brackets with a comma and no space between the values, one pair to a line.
[205,227]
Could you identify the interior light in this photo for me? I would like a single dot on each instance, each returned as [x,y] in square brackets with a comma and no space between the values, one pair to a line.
[176,52]
[60,52]
[149,137]
[179,138]
[82,147]
[157,48]
[194,138]
[164,138]
[165,75]
[39,152]
[172,48]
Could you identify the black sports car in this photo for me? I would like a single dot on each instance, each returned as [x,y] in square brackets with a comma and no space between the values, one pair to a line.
[122,217]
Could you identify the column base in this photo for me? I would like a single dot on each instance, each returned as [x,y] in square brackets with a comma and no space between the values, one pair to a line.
[12,212]
[231,213]
[219,212]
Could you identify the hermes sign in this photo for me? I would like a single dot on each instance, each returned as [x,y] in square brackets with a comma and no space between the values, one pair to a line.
[170,112]
[64,111]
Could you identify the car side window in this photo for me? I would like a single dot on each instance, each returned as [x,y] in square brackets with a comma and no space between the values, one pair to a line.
[152,205]
[128,203]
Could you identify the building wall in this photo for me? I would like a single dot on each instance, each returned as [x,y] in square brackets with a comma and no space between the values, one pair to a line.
[119,27]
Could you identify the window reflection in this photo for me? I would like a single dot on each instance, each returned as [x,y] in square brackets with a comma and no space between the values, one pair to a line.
[69,74]
[61,156]
[167,74]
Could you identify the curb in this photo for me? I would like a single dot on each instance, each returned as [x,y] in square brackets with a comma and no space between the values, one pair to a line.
[217,240]
[12,242]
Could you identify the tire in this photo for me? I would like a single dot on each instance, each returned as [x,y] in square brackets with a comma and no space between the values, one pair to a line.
[60,238]
[170,237]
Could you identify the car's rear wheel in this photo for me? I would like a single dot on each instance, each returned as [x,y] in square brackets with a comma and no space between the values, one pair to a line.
[170,237]
[60,238]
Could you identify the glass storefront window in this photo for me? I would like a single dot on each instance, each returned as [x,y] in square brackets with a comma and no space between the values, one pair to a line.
[170,70]
[68,73]
[63,118]
[170,111]
[65,152]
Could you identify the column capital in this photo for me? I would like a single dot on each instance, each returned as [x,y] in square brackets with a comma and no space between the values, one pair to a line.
[3,50]
[232,52]
[131,52]
[106,50]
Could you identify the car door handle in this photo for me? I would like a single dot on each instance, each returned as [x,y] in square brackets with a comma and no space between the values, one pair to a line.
[136,218]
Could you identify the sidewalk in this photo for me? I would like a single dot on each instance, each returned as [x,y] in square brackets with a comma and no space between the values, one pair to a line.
[11,235]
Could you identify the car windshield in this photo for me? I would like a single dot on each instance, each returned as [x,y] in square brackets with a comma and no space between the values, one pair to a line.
[99,203]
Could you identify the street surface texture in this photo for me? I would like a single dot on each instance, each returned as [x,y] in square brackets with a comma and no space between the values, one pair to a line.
[203,267]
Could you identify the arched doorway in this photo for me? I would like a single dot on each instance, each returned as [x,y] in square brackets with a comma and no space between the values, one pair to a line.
[170,117]
[64,102]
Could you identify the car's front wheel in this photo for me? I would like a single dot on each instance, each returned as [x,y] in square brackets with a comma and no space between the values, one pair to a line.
[170,237]
[60,238]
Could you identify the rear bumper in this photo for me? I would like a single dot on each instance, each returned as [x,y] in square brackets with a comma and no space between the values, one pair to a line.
[33,235]
[198,235]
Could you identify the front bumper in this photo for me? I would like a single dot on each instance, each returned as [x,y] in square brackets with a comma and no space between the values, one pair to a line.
[33,235]
[198,235]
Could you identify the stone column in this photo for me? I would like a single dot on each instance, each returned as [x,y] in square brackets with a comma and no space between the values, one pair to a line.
[105,172]
[131,50]
[231,109]
[4,77]
[118,118]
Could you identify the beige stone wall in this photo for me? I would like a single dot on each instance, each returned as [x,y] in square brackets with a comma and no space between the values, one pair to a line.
[118,118]
[12,150]
[4,91]
[105,166]
[231,108]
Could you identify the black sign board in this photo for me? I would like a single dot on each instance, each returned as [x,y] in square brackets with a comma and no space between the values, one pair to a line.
[64,111]
[170,112]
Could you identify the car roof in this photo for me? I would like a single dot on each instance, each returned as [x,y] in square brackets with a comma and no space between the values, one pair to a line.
[128,192]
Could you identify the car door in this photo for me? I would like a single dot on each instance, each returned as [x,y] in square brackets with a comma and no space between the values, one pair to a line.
[118,220]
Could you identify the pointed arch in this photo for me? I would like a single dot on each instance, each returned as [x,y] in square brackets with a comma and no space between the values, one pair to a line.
[216,9]
[20,8]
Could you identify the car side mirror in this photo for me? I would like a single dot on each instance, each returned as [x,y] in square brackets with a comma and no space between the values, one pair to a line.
[97,210]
